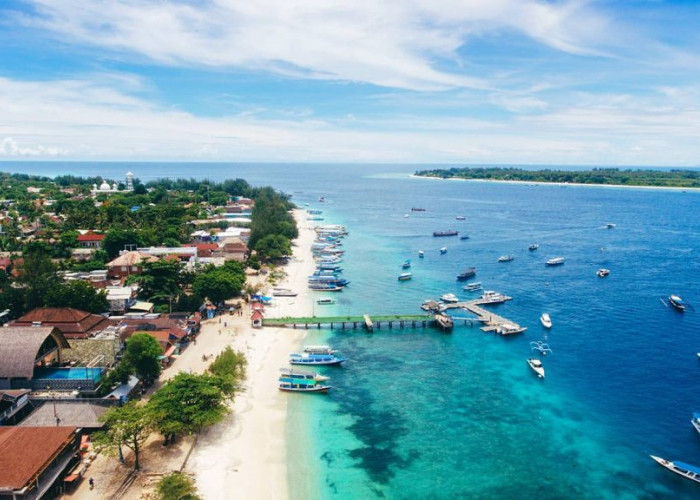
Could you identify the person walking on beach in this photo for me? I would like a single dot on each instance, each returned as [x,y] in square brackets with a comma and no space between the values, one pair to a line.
[91,482]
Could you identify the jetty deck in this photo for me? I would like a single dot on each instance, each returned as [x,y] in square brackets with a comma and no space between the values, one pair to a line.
[490,320]
[370,322]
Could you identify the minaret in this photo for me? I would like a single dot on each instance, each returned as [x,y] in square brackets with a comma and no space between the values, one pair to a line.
[129,181]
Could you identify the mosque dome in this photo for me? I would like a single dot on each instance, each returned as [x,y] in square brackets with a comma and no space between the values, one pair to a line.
[104,186]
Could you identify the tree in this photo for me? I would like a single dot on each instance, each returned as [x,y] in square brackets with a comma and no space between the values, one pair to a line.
[217,286]
[79,295]
[38,274]
[142,353]
[116,239]
[128,426]
[230,366]
[160,280]
[187,403]
[273,247]
[177,486]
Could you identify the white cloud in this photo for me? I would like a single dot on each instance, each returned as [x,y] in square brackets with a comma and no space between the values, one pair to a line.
[396,43]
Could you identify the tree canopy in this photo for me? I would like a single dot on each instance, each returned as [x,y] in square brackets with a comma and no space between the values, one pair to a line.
[220,283]
[129,426]
[142,353]
[177,486]
[78,294]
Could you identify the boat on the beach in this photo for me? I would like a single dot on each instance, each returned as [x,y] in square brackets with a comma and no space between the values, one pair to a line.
[283,293]
[325,302]
[301,385]
[460,217]
[306,358]
[319,349]
[300,374]
[449,298]
[536,366]
[464,237]
[470,272]
[472,287]
[508,329]
[314,212]
[314,218]
[677,302]
[681,468]
[602,272]
[546,320]
[505,258]
[555,261]
[534,246]
[445,233]
[421,253]
[443,250]
[696,421]
[405,276]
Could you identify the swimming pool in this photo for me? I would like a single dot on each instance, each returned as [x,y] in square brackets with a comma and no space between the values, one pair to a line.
[93,374]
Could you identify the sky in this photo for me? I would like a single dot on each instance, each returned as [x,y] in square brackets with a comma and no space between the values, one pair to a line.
[600,83]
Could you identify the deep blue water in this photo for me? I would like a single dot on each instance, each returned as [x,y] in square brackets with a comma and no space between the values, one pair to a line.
[421,414]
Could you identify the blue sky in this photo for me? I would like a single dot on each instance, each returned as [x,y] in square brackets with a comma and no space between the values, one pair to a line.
[445,81]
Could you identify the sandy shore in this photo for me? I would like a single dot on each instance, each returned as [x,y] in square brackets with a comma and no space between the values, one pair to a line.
[244,456]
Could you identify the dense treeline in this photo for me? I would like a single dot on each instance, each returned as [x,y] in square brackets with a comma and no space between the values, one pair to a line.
[273,225]
[610,176]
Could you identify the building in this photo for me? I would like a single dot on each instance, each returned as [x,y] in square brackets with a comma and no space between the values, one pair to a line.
[22,349]
[14,404]
[128,263]
[90,240]
[73,323]
[81,414]
[34,460]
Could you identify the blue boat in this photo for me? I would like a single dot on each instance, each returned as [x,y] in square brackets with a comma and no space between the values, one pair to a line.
[315,359]
[681,468]
[301,385]
[406,264]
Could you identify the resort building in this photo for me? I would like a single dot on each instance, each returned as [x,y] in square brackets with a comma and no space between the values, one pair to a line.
[24,350]
[128,263]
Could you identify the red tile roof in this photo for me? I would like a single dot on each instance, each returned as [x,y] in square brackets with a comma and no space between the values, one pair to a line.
[27,451]
[73,323]
[91,237]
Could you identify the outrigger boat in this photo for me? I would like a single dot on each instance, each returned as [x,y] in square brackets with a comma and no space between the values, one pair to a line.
[540,346]
[292,373]
[319,349]
[301,385]
[315,359]
[696,421]
[536,366]
[677,302]
[681,468]
[405,276]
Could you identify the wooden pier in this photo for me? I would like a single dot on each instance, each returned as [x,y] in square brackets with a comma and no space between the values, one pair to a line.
[353,322]
[491,321]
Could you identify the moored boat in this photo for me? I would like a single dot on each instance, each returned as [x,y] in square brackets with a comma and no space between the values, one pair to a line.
[696,421]
[406,264]
[460,217]
[491,297]
[681,468]
[464,237]
[283,293]
[555,261]
[536,366]
[325,302]
[421,253]
[546,320]
[322,287]
[301,385]
[300,374]
[505,258]
[677,302]
[315,359]
[508,329]
[602,272]
[416,209]
[443,250]
[466,274]
[445,233]
[449,298]
[319,349]
[405,276]
[534,246]
[472,287]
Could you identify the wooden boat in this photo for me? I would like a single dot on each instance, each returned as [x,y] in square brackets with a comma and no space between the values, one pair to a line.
[536,366]
[681,468]
[301,385]
[472,287]
[556,261]
[505,258]
[405,276]
[292,373]
[602,273]
[677,302]
[466,274]
[319,349]
[315,359]
[546,320]
[445,233]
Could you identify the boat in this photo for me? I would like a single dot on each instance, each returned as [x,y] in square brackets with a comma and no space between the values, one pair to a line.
[677,302]
[321,287]
[536,366]
[306,358]
[505,258]
[464,237]
[445,233]
[602,273]
[540,346]
[319,349]
[405,276]
[460,217]
[292,373]
[444,321]
[696,421]
[325,302]
[472,287]
[449,298]
[534,246]
[283,293]
[610,225]
[546,320]
[555,261]
[315,218]
[491,297]
[321,199]
[406,264]
[314,212]
[415,209]
[466,274]
[681,468]
[421,253]
[443,250]
[509,329]
[301,385]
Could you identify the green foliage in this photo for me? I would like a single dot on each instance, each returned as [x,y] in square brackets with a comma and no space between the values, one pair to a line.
[187,403]
[220,283]
[142,352]
[273,247]
[119,375]
[271,216]
[38,274]
[116,239]
[79,295]
[129,426]
[230,366]
[160,281]
[177,486]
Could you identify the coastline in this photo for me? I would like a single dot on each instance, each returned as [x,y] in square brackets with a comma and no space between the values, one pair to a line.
[245,456]
[564,184]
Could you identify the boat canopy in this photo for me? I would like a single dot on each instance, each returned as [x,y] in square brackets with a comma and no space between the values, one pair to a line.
[692,468]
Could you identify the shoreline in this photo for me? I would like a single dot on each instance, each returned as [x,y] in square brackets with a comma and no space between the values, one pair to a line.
[565,184]
[245,456]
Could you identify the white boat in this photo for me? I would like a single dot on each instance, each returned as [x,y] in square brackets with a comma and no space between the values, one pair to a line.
[472,287]
[505,258]
[536,366]
[450,298]
[681,468]
[507,329]
[696,421]
[325,302]
[300,374]
[405,276]
[546,320]
[319,349]
[443,250]
[556,261]
[421,253]
[460,217]
[602,273]
[491,297]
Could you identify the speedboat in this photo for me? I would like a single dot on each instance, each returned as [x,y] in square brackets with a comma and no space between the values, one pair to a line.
[534,246]
[546,320]
[536,366]
[405,276]
[306,358]
[505,258]
[466,274]
[450,298]
[677,302]
[472,287]
[610,225]
[556,261]
[464,237]
[443,250]
[421,253]
[460,217]
[602,272]
[686,470]
[696,421]
[507,329]
[406,264]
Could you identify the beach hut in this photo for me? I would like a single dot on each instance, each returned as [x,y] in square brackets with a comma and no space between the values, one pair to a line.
[256,319]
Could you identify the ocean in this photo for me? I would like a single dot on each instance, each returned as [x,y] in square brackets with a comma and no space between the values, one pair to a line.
[420,414]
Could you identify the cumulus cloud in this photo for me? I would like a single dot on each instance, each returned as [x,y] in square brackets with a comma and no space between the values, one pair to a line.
[11,149]
[393,43]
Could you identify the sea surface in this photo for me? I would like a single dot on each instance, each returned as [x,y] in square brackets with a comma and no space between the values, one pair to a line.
[420,414]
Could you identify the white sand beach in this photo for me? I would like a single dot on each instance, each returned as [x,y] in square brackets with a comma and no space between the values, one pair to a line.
[244,456]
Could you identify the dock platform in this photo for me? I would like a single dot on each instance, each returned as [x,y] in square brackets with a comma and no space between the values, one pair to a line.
[354,322]
[490,320]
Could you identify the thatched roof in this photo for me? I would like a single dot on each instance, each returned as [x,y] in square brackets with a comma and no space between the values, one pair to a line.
[69,413]
[19,347]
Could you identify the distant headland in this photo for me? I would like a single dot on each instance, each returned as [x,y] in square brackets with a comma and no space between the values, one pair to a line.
[676,178]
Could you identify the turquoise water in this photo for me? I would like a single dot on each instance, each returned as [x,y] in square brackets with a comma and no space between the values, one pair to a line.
[93,374]
[421,414]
